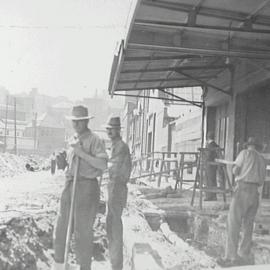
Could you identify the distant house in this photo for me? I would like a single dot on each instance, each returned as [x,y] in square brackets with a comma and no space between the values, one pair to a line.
[48,133]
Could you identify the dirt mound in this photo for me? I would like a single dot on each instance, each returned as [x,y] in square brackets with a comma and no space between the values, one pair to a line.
[11,164]
[27,243]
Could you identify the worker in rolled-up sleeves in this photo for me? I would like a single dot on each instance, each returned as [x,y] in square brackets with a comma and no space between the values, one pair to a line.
[90,150]
[250,171]
[119,166]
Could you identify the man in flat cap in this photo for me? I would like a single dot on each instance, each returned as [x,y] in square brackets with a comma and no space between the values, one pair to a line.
[119,166]
[249,170]
[90,151]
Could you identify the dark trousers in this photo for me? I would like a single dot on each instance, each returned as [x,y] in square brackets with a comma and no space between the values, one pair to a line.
[243,209]
[211,181]
[85,209]
[117,197]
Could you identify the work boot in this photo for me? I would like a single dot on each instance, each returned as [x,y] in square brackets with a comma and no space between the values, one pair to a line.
[247,260]
[226,262]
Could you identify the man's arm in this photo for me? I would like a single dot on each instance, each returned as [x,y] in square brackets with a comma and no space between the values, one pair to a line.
[262,171]
[97,162]
[127,164]
[238,163]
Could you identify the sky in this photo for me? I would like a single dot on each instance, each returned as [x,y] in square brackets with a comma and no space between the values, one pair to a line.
[61,47]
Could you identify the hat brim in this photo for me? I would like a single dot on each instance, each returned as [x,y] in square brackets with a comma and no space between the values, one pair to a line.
[73,118]
[110,126]
[256,144]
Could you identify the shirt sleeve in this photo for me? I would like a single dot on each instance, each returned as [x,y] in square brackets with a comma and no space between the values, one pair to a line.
[240,159]
[120,163]
[262,171]
[127,164]
[98,149]
[116,161]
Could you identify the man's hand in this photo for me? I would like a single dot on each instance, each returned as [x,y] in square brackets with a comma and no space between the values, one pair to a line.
[236,170]
[77,148]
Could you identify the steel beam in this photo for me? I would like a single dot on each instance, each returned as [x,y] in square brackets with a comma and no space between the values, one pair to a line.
[207,11]
[160,58]
[160,79]
[200,51]
[156,87]
[117,68]
[200,67]
[204,83]
[174,25]
[177,97]
[168,99]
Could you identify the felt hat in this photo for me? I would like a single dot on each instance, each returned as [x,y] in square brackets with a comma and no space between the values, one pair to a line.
[114,122]
[252,141]
[79,113]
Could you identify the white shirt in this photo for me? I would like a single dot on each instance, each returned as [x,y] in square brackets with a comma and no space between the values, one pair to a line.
[252,167]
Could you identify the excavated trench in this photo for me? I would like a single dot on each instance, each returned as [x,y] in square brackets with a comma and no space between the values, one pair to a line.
[26,243]
[204,232]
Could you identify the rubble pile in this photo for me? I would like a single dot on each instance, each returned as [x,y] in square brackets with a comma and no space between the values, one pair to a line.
[28,207]
[11,164]
[25,244]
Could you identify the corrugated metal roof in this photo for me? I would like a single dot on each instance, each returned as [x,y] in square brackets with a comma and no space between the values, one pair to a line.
[182,43]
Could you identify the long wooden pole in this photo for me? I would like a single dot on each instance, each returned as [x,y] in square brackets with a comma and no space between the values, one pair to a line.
[71,212]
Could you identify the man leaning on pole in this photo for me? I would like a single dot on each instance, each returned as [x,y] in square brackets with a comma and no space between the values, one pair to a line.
[119,166]
[90,150]
[250,171]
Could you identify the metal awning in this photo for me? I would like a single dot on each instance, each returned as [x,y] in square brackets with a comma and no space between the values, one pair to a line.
[186,43]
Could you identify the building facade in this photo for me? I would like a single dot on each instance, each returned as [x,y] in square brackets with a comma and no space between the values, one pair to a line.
[152,125]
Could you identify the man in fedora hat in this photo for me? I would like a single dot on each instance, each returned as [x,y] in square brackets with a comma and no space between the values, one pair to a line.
[90,150]
[119,166]
[250,170]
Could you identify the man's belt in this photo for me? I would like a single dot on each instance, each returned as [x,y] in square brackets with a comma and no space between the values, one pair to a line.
[82,178]
[248,183]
